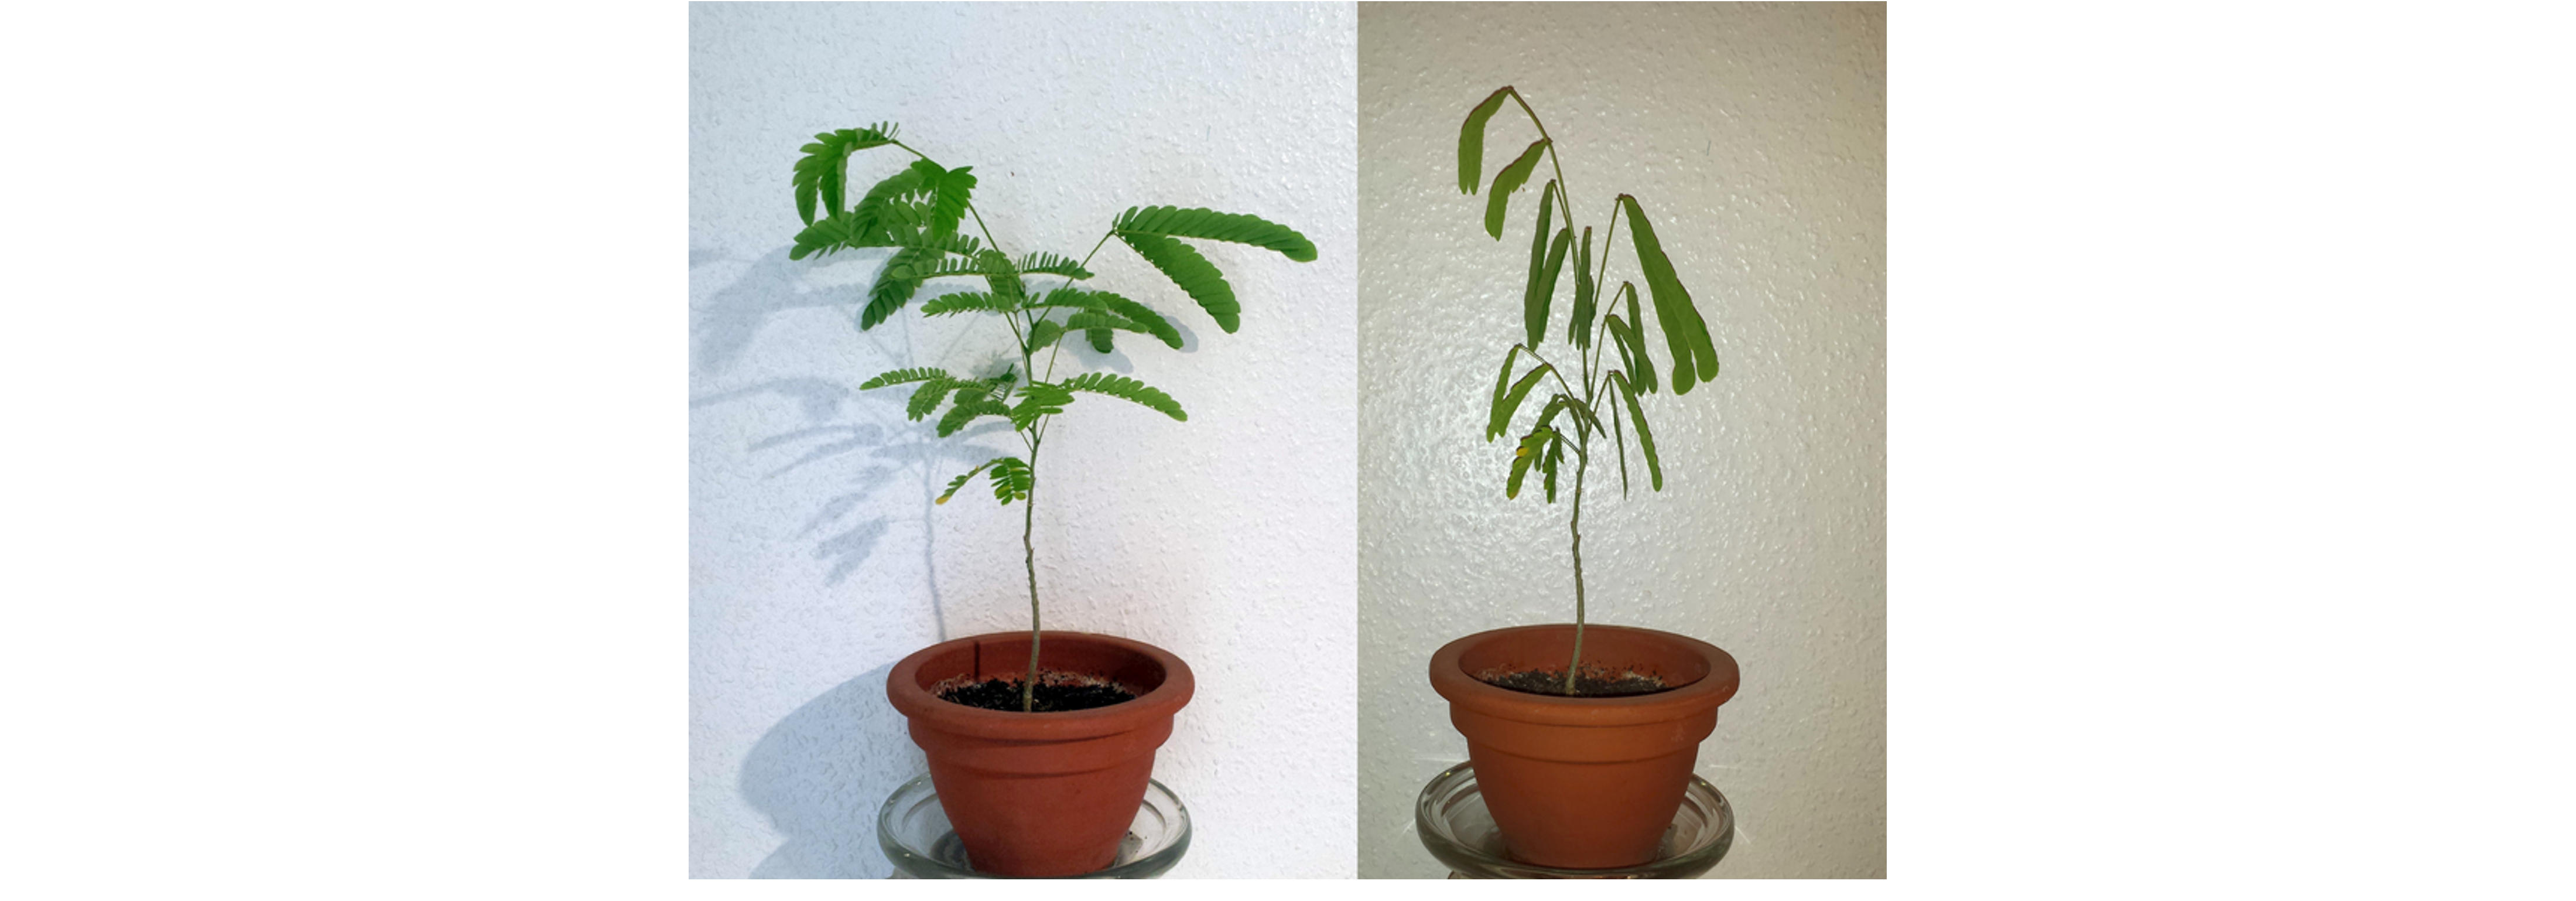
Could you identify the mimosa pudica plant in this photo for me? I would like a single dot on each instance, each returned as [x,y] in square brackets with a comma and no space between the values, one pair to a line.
[1544,446]
[918,212]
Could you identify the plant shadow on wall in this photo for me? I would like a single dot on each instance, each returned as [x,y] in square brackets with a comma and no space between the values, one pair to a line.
[820,775]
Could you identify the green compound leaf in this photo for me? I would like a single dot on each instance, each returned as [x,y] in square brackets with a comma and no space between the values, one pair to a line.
[969,302]
[968,410]
[1043,335]
[1645,436]
[1012,480]
[1051,264]
[1581,333]
[1694,356]
[905,377]
[960,481]
[1139,314]
[823,171]
[1238,228]
[1534,302]
[1125,388]
[1505,182]
[1471,140]
[1510,403]
[1038,399]
[1193,273]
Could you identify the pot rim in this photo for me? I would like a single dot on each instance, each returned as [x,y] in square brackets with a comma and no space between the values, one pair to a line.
[903,689]
[1450,678]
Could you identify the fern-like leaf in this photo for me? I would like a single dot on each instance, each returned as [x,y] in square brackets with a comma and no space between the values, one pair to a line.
[1238,228]
[968,302]
[905,377]
[1192,272]
[824,170]
[1012,480]
[894,286]
[1137,313]
[967,410]
[928,396]
[1505,182]
[1051,264]
[1038,399]
[1122,387]
[960,481]
[1471,140]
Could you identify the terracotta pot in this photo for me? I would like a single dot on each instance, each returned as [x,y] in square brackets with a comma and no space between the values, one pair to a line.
[1041,794]
[1583,783]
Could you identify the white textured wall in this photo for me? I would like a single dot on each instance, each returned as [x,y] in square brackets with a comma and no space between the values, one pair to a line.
[1755,137]
[816,558]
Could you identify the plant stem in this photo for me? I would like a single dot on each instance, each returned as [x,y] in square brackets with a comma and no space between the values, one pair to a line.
[1582,463]
[1028,524]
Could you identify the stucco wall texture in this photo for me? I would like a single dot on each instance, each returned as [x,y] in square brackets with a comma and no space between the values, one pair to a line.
[816,557]
[1755,138]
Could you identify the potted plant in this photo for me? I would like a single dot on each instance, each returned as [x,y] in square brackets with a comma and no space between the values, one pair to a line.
[1039,743]
[1583,736]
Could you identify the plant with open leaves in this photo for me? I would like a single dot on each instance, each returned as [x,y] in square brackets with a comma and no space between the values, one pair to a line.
[918,211]
[1587,411]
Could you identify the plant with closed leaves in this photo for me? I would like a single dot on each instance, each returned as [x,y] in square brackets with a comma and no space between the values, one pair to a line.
[1586,409]
[918,213]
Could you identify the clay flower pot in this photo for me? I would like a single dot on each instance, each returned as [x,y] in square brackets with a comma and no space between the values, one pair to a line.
[1583,783]
[1041,794]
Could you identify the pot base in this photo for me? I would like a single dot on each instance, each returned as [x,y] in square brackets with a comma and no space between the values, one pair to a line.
[913,831]
[1458,831]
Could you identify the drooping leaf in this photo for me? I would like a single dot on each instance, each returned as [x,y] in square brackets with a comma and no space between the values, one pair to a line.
[904,377]
[1174,222]
[1012,480]
[1581,334]
[960,481]
[1645,368]
[1633,356]
[1531,451]
[1119,386]
[1038,399]
[1645,436]
[894,286]
[1555,455]
[951,190]
[1507,181]
[1694,356]
[823,171]
[1192,272]
[968,302]
[871,223]
[1547,281]
[1138,314]
[1520,467]
[1619,438]
[1534,303]
[1502,382]
[1510,402]
[1471,140]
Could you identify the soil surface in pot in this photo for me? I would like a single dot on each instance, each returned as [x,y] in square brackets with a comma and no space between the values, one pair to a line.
[1056,693]
[1593,682]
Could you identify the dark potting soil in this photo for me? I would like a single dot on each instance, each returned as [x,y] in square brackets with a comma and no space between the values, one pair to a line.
[1591,683]
[1056,693]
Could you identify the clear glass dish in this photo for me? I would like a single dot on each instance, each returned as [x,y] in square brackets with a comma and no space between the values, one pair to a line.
[913,831]
[1455,827]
